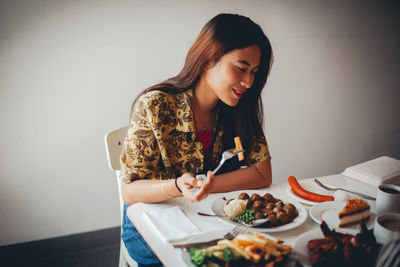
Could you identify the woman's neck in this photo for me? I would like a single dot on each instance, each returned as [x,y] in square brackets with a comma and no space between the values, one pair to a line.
[204,107]
[204,99]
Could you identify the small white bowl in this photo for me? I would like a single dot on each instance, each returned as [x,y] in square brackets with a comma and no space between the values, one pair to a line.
[386,225]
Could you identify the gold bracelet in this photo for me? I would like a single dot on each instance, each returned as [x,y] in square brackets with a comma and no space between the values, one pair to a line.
[165,193]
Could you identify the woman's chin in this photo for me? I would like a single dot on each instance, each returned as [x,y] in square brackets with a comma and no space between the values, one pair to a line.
[231,102]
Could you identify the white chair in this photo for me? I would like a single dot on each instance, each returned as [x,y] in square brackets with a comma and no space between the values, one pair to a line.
[114,141]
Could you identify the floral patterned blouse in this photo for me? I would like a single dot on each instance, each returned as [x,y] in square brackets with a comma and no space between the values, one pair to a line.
[161,143]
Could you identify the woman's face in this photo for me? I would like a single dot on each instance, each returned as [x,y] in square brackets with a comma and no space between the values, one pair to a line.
[233,74]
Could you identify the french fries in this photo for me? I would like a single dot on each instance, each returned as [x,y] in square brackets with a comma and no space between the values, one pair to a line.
[255,248]
[239,146]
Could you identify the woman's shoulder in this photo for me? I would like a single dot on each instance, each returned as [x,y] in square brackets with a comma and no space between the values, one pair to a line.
[163,98]
[154,95]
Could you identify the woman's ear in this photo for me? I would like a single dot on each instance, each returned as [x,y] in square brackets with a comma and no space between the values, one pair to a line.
[208,65]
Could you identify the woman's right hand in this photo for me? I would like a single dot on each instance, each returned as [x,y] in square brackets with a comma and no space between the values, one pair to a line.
[187,182]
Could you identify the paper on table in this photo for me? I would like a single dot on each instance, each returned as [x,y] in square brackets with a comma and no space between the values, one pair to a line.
[171,222]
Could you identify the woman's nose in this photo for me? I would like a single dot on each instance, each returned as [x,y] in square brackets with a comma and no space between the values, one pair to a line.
[247,80]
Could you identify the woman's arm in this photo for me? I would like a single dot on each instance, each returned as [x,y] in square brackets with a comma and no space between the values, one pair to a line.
[153,191]
[148,191]
[257,175]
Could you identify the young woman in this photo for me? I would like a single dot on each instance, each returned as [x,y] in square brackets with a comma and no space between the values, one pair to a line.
[180,127]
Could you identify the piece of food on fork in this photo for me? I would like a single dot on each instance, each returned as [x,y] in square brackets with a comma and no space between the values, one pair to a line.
[238,144]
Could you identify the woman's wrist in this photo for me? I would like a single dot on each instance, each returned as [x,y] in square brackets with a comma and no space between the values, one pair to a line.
[169,189]
[177,186]
[180,183]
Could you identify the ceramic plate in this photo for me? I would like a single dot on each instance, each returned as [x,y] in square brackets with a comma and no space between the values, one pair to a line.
[204,237]
[300,249]
[328,212]
[217,207]
[311,186]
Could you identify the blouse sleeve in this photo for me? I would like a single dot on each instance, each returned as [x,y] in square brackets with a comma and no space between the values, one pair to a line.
[140,155]
[259,151]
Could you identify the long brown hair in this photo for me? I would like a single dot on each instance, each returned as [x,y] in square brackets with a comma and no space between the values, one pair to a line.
[222,34]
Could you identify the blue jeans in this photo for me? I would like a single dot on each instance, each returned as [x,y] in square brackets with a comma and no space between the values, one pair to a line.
[138,249]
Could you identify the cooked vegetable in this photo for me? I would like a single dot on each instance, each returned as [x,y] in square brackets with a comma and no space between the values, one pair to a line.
[198,256]
[301,192]
[247,216]
[228,254]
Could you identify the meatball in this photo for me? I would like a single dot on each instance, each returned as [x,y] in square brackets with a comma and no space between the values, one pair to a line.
[258,205]
[243,196]
[282,217]
[255,197]
[279,203]
[270,205]
[259,215]
[272,220]
[278,209]
[290,209]
[295,214]
[249,203]
[267,211]
[274,200]
[268,197]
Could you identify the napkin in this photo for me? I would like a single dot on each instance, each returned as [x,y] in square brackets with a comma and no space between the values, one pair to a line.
[170,222]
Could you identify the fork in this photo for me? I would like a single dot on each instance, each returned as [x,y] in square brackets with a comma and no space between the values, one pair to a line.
[230,153]
[338,188]
[230,235]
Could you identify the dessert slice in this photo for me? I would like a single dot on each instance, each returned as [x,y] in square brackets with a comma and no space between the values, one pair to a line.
[354,212]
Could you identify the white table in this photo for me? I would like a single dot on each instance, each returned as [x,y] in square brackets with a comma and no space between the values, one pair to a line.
[171,257]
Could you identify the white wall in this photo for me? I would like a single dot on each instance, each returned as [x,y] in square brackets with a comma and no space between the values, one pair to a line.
[69,71]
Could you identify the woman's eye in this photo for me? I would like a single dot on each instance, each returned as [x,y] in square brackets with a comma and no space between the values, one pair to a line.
[241,69]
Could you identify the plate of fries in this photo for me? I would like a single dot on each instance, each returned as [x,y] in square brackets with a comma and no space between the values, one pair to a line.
[218,203]
[246,249]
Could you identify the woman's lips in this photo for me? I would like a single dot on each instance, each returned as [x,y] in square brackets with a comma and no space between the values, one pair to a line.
[238,93]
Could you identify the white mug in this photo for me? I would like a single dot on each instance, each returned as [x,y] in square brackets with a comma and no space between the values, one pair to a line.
[387,198]
[386,226]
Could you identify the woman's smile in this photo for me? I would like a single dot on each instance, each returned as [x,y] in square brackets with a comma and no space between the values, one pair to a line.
[239,93]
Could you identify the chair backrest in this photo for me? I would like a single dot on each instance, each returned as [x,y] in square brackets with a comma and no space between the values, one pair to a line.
[114,141]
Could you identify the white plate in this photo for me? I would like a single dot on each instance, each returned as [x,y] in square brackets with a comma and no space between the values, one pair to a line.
[328,212]
[311,186]
[204,237]
[217,207]
[300,249]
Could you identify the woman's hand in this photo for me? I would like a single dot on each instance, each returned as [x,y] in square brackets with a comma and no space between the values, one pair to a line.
[187,182]
[206,187]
